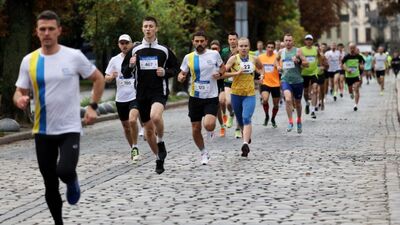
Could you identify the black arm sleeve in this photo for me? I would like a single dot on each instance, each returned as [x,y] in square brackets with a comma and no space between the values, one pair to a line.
[125,70]
[171,67]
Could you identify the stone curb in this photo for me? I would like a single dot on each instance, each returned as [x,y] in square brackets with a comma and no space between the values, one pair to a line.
[111,116]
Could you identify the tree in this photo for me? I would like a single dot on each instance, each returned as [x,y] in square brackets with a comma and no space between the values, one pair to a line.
[318,16]
[17,22]
[389,7]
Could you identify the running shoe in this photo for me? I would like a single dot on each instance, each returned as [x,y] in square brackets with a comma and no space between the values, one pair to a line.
[313,115]
[289,127]
[352,96]
[141,131]
[73,192]
[341,95]
[299,128]
[222,132]
[307,109]
[162,152]
[355,108]
[229,122]
[160,166]
[205,157]
[316,109]
[245,150]
[334,98]
[238,134]
[381,93]
[134,154]
[266,120]
[273,123]
[210,135]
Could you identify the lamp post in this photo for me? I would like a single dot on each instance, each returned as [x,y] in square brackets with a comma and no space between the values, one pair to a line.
[241,20]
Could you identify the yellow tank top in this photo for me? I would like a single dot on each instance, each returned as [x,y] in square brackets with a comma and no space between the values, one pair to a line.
[243,84]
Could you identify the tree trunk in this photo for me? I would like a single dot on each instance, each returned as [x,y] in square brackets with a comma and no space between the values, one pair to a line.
[16,46]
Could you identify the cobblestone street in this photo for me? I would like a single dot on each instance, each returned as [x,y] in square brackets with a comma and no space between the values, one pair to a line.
[343,169]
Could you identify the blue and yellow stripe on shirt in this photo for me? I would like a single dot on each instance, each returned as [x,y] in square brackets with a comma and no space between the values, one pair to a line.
[36,73]
[194,66]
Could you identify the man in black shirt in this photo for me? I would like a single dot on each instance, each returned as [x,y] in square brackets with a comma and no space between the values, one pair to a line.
[152,64]
[395,63]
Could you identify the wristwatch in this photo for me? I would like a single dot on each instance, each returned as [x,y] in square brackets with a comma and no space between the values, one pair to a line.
[94,105]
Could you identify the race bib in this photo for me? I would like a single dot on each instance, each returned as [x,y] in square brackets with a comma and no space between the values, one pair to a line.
[268,68]
[353,69]
[126,82]
[310,59]
[202,86]
[248,67]
[288,64]
[148,62]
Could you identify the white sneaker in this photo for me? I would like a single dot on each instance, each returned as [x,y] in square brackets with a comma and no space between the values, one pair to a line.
[141,132]
[205,157]
[210,135]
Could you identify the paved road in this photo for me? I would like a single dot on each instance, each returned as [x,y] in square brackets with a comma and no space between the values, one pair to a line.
[343,169]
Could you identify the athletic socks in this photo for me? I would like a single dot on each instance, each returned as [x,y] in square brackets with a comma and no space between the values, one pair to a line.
[266,108]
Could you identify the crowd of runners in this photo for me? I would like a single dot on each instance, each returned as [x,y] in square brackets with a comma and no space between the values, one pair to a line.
[223,85]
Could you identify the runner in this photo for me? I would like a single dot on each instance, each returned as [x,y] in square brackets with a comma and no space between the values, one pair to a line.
[380,65]
[152,65]
[226,53]
[125,98]
[222,117]
[290,59]
[310,74]
[352,63]
[342,72]
[333,58]
[368,66]
[243,95]
[53,73]
[260,48]
[396,63]
[205,67]
[322,84]
[270,83]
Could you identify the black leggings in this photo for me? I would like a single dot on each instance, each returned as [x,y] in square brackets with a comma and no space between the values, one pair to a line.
[47,149]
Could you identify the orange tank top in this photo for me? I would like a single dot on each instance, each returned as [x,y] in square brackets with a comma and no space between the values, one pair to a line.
[271,74]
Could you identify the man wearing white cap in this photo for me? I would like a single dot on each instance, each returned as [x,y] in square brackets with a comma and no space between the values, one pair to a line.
[125,98]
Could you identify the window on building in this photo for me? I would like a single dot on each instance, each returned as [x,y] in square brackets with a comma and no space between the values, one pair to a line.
[356,35]
[338,32]
[355,9]
[368,37]
[367,8]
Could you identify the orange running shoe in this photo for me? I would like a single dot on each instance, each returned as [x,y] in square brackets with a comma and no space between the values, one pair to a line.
[224,119]
[222,132]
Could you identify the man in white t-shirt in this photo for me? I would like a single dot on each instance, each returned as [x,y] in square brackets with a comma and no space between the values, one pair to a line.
[333,57]
[205,66]
[380,65]
[52,72]
[125,98]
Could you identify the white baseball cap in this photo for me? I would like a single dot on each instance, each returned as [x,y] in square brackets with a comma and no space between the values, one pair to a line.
[309,36]
[125,37]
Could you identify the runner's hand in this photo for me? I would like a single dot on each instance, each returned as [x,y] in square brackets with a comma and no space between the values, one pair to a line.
[90,116]
[160,72]
[181,77]
[22,101]
[132,61]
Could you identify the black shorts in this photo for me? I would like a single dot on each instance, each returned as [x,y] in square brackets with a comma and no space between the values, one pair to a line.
[342,72]
[332,74]
[221,86]
[123,109]
[351,80]
[274,91]
[146,103]
[228,84]
[198,108]
[309,80]
[379,73]
[321,79]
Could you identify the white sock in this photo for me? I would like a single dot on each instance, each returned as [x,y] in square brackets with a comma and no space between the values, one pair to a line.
[133,146]
[245,143]
[203,151]
[159,139]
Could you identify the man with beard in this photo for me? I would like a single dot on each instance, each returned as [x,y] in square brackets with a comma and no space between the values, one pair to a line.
[205,66]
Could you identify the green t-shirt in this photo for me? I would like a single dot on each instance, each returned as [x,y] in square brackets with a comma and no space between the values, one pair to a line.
[353,63]
[291,72]
[311,56]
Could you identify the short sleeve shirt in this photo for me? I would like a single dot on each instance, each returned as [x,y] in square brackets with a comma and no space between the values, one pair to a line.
[126,90]
[54,80]
[333,58]
[380,60]
[202,67]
